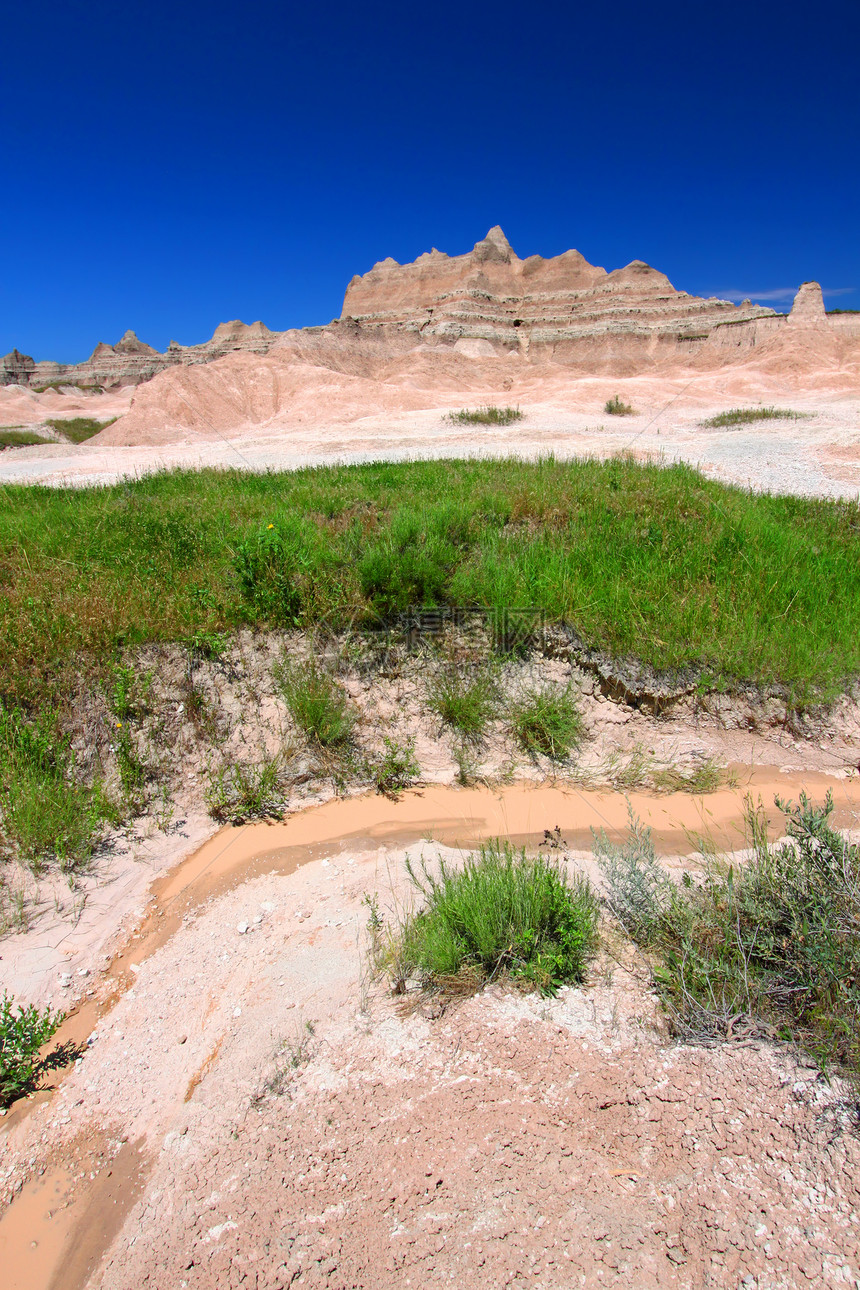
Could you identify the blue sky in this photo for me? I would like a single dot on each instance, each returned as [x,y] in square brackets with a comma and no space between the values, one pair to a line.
[170,166]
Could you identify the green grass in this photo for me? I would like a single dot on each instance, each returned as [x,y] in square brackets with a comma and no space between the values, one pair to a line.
[614,407]
[45,814]
[23,1031]
[656,563]
[503,912]
[744,416]
[488,416]
[547,720]
[246,791]
[317,704]
[772,945]
[18,437]
[466,701]
[395,768]
[78,429]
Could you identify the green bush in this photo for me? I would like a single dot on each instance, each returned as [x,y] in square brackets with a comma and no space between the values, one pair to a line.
[281,568]
[503,912]
[23,1031]
[548,721]
[317,704]
[396,769]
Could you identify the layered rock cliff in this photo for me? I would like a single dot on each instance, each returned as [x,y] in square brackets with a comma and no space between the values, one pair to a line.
[563,304]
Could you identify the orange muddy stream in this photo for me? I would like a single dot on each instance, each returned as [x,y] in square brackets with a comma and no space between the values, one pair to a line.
[54,1233]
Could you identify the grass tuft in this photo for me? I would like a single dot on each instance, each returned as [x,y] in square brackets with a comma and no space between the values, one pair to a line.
[548,721]
[246,791]
[488,416]
[503,912]
[317,703]
[466,702]
[744,416]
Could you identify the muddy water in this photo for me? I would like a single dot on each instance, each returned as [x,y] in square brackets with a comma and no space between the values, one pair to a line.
[53,1235]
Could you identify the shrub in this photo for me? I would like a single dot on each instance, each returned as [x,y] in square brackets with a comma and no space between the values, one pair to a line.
[465,702]
[23,1031]
[249,791]
[488,416]
[614,407]
[503,912]
[317,704]
[772,944]
[546,720]
[638,888]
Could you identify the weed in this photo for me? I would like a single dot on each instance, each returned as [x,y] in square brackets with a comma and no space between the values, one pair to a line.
[547,720]
[468,702]
[705,778]
[743,416]
[614,407]
[132,770]
[396,769]
[488,416]
[290,1057]
[503,912]
[317,703]
[207,644]
[468,769]
[23,1031]
[246,791]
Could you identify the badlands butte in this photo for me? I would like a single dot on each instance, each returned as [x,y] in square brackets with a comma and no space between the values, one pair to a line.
[557,337]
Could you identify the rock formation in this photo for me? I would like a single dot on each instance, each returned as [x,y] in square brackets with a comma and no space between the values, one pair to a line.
[564,307]
[808,308]
[130,361]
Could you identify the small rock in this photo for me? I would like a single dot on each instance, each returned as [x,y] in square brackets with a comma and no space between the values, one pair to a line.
[241,928]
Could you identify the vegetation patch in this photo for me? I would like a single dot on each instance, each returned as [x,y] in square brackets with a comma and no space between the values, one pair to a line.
[503,913]
[18,437]
[317,703]
[466,701]
[771,946]
[78,429]
[548,721]
[638,560]
[396,768]
[247,791]
[23,1032]
[744,416]
[615,407]
[488,416]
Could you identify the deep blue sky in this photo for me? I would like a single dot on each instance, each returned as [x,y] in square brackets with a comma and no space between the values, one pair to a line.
[169,166]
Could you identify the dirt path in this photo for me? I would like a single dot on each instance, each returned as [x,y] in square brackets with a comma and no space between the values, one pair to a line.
[254,1111]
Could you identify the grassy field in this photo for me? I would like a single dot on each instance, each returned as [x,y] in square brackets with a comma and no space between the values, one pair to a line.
[657,563]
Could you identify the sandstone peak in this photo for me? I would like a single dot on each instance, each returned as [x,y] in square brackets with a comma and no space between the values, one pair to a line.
[808,308]
[131,345]
[495,246]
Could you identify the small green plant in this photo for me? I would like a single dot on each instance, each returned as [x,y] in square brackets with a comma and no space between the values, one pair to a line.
[207,644]
[743,416]
[466,702]
[317,703]
[132,770]
[246,791]
[78,429]
[615,407]
[23,1031]
[706,778]
[504,912]
[548,721]
[15,437]
[488,416]
[396,769]
[122,693]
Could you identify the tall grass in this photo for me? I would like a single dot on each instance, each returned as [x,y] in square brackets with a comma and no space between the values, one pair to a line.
[658,563]
[79,429]
[744,416]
